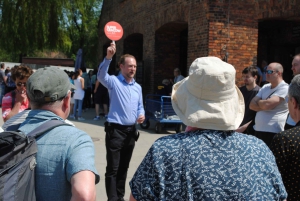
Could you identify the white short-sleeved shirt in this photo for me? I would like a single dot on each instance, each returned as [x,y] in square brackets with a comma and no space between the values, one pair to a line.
[272,120]
[79,92]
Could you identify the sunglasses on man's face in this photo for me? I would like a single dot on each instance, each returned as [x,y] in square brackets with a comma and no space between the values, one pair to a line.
[270,71]
[21,83]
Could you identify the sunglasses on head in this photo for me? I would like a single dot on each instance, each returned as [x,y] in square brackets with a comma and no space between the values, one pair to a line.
[21,83]
[270,71]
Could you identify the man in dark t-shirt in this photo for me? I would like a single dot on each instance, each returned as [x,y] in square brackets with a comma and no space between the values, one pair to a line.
[249,91]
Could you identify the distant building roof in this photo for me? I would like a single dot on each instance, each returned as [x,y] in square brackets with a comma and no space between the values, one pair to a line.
[48,61]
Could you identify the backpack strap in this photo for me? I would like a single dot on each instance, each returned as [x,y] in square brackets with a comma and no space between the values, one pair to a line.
[270,95]
[48,125]
[13,127]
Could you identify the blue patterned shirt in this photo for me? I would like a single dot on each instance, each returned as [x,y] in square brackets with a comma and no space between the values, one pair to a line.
[208,165]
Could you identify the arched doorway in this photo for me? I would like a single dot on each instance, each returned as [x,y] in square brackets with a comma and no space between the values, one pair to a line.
[170,50]
[279,41]
[133,44]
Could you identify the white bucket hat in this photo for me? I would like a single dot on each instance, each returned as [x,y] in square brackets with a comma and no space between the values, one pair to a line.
[208,97]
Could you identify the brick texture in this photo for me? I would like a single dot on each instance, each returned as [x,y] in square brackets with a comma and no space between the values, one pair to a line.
[166,34]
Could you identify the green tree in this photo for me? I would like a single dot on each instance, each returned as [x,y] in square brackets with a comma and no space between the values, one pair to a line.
[28,26]
[82,28]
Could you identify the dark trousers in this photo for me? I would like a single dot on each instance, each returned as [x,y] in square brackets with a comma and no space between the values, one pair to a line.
[93,95]
[267,137]
[87,99]
[120,143]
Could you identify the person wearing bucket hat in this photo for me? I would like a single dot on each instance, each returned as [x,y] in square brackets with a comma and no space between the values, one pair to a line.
[65,159]
[211,161]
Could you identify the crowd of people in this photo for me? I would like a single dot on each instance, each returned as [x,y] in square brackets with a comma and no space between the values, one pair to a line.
[239,143]
[89,93]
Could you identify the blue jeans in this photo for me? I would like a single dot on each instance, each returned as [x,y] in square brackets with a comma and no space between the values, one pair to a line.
[78,103]
[2,92]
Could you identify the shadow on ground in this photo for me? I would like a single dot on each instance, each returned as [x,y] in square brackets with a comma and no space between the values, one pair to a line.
[90,114]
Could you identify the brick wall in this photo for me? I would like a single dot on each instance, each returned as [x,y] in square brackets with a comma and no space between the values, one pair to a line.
[208,30]
[197,30]
[233,30]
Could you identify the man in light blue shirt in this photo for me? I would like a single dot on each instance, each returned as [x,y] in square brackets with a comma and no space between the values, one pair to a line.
[177,76]
[126,109]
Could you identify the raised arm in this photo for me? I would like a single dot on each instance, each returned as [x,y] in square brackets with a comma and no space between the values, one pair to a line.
[102,75]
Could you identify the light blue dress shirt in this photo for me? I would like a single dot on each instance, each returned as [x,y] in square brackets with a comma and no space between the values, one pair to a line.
[126,101]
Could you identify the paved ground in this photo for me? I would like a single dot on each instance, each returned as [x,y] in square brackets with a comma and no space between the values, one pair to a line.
[96,131]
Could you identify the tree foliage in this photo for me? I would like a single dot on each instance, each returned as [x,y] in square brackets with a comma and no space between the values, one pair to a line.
[83,17]
[28,26]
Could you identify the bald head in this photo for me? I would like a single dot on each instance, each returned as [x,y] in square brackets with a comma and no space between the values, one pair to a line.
[274,73]
[278,67]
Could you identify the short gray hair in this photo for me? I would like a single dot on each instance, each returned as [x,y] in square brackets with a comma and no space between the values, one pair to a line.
[294,89]
[279,67]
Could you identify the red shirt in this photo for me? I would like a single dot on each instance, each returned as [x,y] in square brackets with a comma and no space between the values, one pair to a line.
[7,105]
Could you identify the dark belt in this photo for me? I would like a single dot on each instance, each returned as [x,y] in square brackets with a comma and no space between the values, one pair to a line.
[121,127]
[131,128]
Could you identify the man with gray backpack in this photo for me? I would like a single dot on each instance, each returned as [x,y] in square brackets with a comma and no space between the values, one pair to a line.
[64,166]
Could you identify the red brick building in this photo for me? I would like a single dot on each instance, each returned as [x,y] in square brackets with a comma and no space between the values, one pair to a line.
[166,34]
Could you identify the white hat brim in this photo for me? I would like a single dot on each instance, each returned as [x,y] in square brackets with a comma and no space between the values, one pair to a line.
[206,114]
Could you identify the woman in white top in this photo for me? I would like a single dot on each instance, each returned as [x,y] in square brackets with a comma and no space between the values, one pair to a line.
[78,95]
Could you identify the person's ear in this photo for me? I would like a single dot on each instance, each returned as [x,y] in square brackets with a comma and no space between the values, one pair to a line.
[280,73]
[67,101]
[294,103]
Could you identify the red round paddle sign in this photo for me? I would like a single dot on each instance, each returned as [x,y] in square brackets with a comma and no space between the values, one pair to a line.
[113,30]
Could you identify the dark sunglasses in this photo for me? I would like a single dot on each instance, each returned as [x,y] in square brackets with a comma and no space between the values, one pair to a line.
[270,71]
[21,83]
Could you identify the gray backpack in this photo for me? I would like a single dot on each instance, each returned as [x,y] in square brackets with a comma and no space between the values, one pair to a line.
[18,160]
